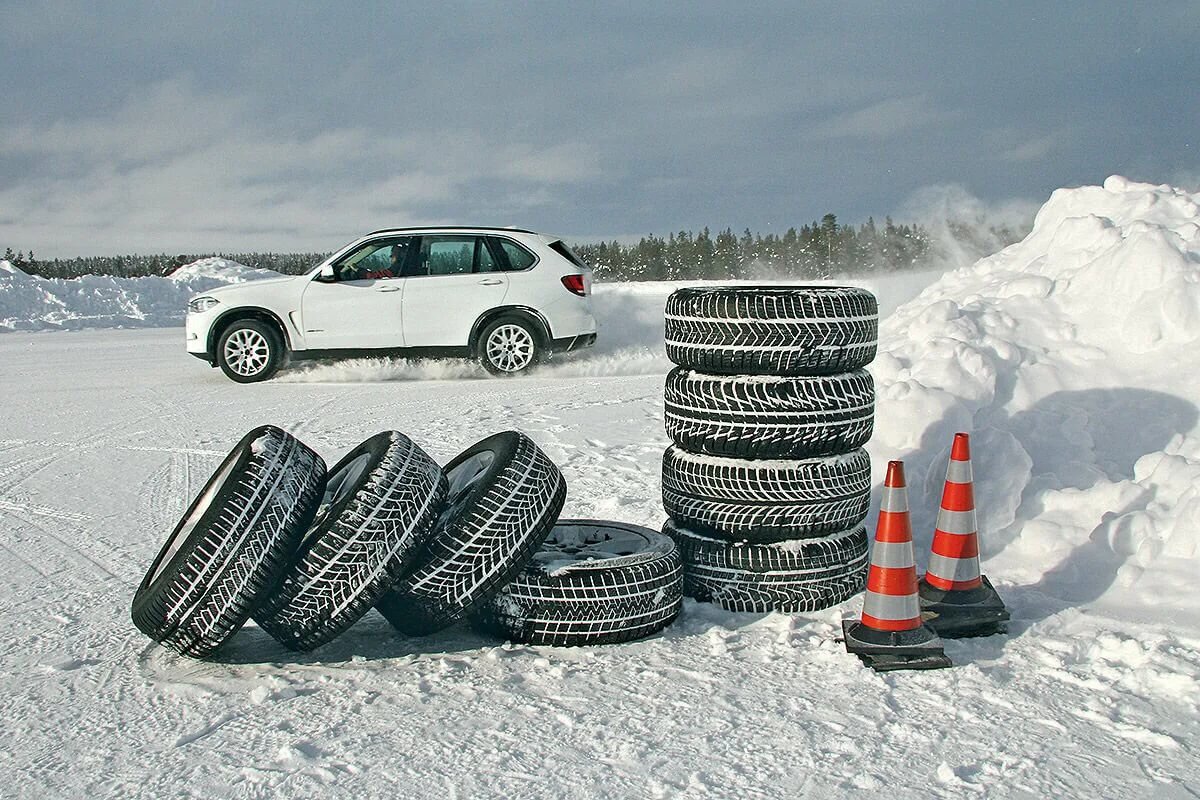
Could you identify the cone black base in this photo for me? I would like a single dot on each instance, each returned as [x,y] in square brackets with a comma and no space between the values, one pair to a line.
[894,663]
[884,651]
[962,614]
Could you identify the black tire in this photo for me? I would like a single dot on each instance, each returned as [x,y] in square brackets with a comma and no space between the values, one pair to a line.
[380,505]
[233,544]
[250,350]
[769,417]
[592,582]
[784,330]
[504,496]
[509,345]
[804,575]
[766,501]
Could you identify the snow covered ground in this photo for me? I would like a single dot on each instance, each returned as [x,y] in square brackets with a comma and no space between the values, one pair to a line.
[1072,357]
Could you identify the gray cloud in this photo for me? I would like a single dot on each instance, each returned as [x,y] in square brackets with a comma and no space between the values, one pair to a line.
[138,127]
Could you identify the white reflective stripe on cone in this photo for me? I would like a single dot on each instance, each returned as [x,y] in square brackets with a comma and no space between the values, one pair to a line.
[892,555]
[961,522]
[894,500]
[958,471]
[892,607]
[954,569]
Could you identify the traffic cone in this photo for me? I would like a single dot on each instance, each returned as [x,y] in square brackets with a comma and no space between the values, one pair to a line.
[956,598]
[891,635]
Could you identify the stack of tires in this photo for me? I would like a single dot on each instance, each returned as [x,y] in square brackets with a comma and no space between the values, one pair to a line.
[306,551]
[767,484]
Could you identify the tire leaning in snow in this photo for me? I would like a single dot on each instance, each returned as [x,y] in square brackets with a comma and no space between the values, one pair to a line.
[764,500]
[504,496]
[592,582]
[802,575]
[233,544]
[768,416]
[785,330]
[380,505]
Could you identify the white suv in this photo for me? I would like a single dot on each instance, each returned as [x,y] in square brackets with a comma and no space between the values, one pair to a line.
[509,297]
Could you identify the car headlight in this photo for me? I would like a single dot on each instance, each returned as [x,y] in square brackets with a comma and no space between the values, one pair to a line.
[199,304]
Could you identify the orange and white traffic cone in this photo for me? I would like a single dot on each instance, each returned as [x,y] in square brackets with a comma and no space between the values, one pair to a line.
[956,598]
[891,635]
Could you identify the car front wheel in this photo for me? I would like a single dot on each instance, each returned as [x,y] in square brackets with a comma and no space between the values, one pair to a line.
[249,351]
[509,345]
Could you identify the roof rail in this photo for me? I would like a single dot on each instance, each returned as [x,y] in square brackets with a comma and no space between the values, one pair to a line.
[450,228]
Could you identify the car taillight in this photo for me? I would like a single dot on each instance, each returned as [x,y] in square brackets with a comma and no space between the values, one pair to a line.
[575,284]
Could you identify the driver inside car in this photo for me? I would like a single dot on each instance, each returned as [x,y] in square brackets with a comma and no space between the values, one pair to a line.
[363,267]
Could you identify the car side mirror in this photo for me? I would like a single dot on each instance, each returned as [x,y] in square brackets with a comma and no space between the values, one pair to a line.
[326,274]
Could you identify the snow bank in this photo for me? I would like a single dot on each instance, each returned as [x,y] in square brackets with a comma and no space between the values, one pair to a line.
[1073,356]
[28,302]
[221,269]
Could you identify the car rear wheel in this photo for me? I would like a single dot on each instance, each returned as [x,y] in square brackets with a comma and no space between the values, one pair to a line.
[249,350]
[509,345]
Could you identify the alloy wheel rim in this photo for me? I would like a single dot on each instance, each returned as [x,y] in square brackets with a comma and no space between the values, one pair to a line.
[585,542]
[510,348]
[247,352]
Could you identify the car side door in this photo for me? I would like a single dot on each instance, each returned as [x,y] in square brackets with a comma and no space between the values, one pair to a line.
[452,281]
[361,308]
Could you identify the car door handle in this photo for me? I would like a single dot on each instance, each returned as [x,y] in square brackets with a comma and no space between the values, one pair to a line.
[490,282]
[387,288]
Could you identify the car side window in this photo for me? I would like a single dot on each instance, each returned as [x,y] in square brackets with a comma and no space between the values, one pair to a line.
[376,260]
[452,255]
[518,257]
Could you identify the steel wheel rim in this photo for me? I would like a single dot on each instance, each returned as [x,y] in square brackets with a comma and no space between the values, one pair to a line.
[247,352]
[510,348]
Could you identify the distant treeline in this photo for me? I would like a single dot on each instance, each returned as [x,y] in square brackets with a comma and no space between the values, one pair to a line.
[821,249]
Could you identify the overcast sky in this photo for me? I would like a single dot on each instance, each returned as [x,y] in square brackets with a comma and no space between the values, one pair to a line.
[131,127]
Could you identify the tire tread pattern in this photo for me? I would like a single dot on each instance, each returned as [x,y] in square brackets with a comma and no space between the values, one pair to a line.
[366,549]
[479,549]
[754,417]
[797,330]
[804,575]
[621,603]
[227,566]
[766,501]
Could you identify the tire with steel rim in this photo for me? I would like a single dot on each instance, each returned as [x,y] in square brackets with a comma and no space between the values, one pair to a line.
[380,504]
[509,345]
[249,350]
[504,496]
[772,330]
[233,544]
[591,582]
[791,576]
[766,500]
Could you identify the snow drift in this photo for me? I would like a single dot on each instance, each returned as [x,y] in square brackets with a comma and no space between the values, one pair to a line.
[1073,356]
[28,302]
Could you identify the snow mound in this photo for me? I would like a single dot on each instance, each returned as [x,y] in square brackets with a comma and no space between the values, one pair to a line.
[221,269]
[1073,356]
[28,302]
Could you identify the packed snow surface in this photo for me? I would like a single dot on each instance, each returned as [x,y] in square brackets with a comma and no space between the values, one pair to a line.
[1072,357]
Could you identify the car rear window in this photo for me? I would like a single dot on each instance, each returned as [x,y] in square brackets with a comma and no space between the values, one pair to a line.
[561,248]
